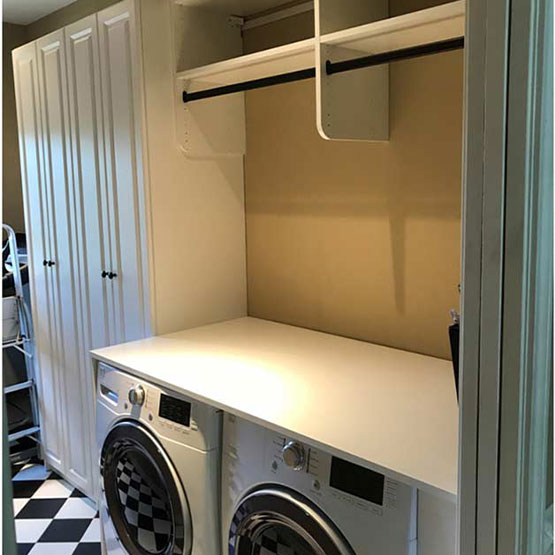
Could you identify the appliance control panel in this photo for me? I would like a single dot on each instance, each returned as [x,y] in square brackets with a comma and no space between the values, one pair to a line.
[168,413]
[323,475]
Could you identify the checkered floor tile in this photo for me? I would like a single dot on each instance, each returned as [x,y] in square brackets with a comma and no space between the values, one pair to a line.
[51,516]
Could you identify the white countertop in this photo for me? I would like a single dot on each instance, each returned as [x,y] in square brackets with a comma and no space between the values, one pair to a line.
[391,410]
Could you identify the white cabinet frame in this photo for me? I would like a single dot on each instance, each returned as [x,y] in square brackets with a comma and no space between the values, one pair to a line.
[502,346]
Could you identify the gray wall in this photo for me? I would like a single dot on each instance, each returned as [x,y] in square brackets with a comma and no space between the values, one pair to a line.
[65,16]
[12,211]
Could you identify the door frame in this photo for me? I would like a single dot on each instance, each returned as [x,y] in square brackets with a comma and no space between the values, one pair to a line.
[507,284]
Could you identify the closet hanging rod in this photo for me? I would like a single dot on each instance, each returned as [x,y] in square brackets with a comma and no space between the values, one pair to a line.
[395,55]
[250,85]
[331,68]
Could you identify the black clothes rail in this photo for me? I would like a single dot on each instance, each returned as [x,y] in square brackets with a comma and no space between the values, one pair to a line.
[249,85]
[331,68]
[395,55]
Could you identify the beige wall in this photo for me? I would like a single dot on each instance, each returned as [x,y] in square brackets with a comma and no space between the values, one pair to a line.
[12,201]
[358,239]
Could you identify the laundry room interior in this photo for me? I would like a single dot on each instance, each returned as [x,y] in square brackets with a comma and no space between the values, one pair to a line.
[239,233]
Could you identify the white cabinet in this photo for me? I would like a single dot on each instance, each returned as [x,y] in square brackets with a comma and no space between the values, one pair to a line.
[73,421]
[90,230]
[37,219]
[122,132]
[127,237]
[89,179]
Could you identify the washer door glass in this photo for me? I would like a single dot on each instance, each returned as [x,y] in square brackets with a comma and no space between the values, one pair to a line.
[143,493]
[279,538]
[280,521]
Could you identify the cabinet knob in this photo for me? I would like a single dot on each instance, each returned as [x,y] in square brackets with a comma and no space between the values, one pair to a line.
[112,275]
[45,262]
[104,273]
[51,263]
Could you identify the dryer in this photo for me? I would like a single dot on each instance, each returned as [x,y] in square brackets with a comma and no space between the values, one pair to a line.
[160,468]
[280,496]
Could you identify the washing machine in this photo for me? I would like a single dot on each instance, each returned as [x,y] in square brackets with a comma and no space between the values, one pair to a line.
[160,468]
[281,496]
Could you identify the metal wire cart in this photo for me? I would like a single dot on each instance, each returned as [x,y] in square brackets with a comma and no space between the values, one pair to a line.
[17,344]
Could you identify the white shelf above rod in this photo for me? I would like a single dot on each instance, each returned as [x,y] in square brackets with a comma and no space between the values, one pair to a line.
[331,68]
[425,32]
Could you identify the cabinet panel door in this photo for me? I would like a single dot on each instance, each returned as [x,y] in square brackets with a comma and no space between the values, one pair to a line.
[89,184]
[89,181]
[122,121]
[38,225]
[53,92]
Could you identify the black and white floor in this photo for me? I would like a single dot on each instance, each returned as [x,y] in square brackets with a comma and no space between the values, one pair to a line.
[51,516]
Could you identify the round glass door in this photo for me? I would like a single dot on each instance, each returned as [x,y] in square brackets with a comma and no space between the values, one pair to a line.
[143,494]
[281,521]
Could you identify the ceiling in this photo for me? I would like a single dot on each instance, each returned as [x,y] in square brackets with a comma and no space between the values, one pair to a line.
[24,12]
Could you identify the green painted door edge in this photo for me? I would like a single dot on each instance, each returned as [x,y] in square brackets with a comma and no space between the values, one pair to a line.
[8,525]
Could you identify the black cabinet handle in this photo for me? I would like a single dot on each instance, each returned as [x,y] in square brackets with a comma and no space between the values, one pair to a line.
[112,275]
[51,263]
[45,262]
[104,273]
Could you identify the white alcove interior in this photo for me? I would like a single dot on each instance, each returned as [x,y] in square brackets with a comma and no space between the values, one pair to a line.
[353,105]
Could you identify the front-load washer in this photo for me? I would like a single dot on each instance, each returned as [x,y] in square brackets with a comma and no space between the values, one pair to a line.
[281,496]
[159,468]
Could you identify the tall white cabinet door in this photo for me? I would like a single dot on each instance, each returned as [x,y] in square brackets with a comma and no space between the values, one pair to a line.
[58,171]
[38,226]
[89,180]
[89,183]
[122,123]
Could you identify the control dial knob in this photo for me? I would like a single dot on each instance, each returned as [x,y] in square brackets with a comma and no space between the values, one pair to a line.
[293,455]
[137,395]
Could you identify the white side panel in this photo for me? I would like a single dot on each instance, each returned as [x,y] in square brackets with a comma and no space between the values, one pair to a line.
[352,105]
[437,525]
[197,241]
[37,230]
[215,126]
[90,207]
[122,121]
[53,90]
[211,127]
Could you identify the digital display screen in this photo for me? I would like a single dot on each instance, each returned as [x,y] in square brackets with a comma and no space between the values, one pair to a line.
[356,480]
[176,410]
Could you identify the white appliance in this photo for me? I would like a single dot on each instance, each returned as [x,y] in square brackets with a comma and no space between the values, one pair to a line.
[160,468]
[282,497]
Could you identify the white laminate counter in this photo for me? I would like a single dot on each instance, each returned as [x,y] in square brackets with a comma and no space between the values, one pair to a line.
[391,410]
